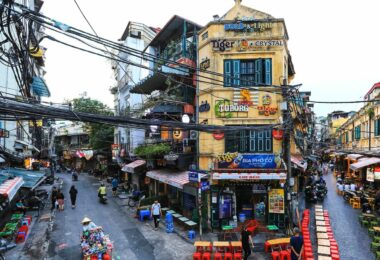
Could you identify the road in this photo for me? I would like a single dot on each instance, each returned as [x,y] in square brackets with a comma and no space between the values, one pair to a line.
[129,242]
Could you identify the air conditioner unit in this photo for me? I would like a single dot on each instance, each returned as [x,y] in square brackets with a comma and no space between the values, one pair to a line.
[193,135]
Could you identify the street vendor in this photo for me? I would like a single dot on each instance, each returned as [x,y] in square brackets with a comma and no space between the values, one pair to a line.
[88,224]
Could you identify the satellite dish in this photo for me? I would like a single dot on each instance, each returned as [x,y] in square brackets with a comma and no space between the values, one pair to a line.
[185,119]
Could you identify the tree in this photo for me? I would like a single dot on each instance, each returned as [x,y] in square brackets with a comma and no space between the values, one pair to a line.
[100,135]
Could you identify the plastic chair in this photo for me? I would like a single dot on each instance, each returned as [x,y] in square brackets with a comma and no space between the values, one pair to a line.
[228,256]
[218,256]
[238,256]
[335,257]
[285,254]
[20,237]
[206,256]
[267,246]
[276,252]
[144,213]
[197,256]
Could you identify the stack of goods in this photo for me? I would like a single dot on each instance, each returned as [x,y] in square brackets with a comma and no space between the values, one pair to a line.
[308,250]
[95,243]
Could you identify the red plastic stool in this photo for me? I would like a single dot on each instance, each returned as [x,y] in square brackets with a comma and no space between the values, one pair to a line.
[238,256]
[218,256]
[197,256]
[308,254]
[206,256]
[285,254]
[266,246]
[335,257]
[275,255]
[228,256]
[20,237]
[334,252]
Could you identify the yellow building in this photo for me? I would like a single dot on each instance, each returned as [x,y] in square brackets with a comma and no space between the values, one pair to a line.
[249,48]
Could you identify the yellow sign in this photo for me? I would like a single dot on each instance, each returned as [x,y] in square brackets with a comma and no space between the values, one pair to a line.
[266,109]
[276,201]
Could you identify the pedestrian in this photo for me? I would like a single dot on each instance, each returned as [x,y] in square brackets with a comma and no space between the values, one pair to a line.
[246,241]
[115,184]
[61,200]
[73,196]
[156,213]
[296,243]
[53,197]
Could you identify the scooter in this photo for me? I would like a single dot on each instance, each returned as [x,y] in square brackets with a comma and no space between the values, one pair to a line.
[310,194]
[103,199]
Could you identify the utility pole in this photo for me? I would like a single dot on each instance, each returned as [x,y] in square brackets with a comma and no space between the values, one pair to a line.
[288,125]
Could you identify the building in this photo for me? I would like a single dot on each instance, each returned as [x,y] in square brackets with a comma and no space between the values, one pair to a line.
[20,139]
[248,50]
[335,120]
[136,36]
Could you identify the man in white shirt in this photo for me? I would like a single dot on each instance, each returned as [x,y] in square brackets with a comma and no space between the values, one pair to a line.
[156,213]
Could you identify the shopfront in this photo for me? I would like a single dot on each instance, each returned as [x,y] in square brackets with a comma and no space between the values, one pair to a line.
[134,173]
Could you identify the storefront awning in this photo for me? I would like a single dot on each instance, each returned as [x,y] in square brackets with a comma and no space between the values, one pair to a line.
[364,162]
[32,179]
[248,176]
[354,156]
[10,187]
[132,167]
[175,179]
[299,162]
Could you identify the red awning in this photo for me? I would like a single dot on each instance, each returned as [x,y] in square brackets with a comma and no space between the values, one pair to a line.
[131,167]
[299,162]
[175,179]
[10,187]
[364,162]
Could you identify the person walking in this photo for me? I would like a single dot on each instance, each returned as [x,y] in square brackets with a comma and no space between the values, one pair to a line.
[61,200]
[73,196]
[246,241]
[296,243]
[156,213]
[53,198]
[115,184]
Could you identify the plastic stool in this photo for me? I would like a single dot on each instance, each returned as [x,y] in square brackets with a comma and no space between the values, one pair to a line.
[266,246]
[23,229]
[191,234]
[144,213]
[197,256]
[284,254]
[335,257]
[206,256]
[218,256]
[228,256]
[275,255]
[238,256]
[20,237]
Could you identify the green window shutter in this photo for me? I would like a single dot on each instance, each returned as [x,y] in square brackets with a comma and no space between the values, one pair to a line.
[227,73]
[258,72]
[376,127]
[359,131]
[268,72]
[236,73]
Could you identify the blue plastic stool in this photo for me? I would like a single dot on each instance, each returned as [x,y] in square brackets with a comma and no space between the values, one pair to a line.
[191,234]
[144,213]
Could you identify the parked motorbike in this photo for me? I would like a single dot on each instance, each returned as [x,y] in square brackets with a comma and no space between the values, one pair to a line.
[311,194]
[321,191]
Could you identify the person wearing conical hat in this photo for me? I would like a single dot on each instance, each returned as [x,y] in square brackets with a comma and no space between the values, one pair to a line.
[88,224]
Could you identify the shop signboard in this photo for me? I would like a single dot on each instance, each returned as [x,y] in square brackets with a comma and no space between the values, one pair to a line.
[248,161]
[205,185]
[249,176]
[276,201]
[249,27]
[370,174]
[205,64]
[377,172]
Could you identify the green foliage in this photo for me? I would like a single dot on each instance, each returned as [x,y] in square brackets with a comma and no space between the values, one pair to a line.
[152,150]
[100,135]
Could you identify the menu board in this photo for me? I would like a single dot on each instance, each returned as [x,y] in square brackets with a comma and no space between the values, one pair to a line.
[276,201]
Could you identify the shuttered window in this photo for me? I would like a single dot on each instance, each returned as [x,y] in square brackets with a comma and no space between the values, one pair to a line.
[357,132]
[249,141]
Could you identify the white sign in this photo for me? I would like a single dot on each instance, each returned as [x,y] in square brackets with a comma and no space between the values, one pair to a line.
[370,175]
[248,176]
[233,108]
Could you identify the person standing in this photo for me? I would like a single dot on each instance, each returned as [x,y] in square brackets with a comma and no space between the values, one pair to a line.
[246,241]
[115,184]
[53,197]
[156,213]
[73,196]
[296,243]
[61,200]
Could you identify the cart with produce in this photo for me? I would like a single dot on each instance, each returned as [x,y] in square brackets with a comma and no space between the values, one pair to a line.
[96,245]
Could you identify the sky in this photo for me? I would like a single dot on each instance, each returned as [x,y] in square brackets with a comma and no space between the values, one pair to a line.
[334,44]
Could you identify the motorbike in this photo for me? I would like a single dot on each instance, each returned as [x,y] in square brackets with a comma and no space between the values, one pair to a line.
[34,203]
[311,194]
[103,199]
[321,191]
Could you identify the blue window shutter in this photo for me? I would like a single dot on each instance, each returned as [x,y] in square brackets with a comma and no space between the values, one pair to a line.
[236,73]
[258,72]
[268,72]
[227,73]
[376,127]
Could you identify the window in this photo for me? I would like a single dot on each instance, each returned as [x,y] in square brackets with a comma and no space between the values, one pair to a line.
[347,140]
[250,141]
[247,72]
[357,132]
[377,127]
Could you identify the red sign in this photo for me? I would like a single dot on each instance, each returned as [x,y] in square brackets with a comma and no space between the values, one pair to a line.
[218,135]
[278,134]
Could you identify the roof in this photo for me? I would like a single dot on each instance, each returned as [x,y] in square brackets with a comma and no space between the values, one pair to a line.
[173,178]
[127,29]
[10,187]
[363,162]
[171,28]
[133,165]
[375,86]
[31,178]
[354,156]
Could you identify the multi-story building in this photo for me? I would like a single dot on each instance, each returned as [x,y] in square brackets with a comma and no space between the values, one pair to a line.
[248,50]
[335,120]
[136,36]
[19,138]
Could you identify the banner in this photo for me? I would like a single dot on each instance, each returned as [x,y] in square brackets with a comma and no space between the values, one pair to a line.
[276,201]
[248,161]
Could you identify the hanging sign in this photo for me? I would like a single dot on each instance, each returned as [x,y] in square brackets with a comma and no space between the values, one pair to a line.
[377,172]
[370,174]
[205,64]
[205,185]
[204,107]
[276,201]
[218,135]
[266,109]
[248,161]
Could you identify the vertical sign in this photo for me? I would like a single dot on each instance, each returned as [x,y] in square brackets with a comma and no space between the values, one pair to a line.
[277,201]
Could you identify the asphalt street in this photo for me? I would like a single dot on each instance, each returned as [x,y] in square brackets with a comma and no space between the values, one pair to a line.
[129,243]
